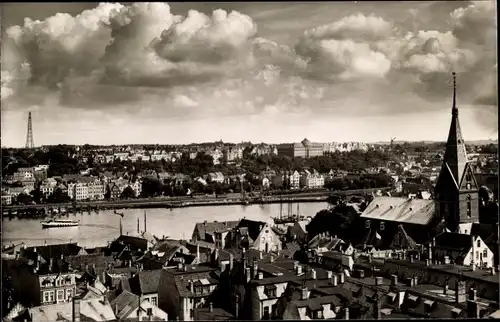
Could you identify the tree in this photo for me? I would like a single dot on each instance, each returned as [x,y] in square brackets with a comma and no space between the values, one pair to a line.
[24,199]
[127,193]
[58,196]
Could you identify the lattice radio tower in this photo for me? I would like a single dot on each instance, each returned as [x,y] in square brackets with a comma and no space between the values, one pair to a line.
[29,137]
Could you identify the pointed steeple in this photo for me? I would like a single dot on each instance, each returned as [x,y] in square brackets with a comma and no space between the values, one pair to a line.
[455,156]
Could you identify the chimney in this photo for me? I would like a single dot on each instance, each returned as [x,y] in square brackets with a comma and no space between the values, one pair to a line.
[379,281]
[191,286]
[447,259]
[260,276]
[210,307]
[237,307]
[394,280]
[445,289]
[378,308]
[415,280]
[299,269]
[334,280]
[313,274]
[255,268]
[76,309]
[304,293]
[329,275]
[248,275]
[411,281]
[460,293]
[198,251]
[341,280]
[473,310]
[472,295]
[346,313]
[473,263]
[411,259]
[231,259]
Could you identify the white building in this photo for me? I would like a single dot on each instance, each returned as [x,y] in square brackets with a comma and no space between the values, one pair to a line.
[78,191]
[294,180]
[312,179]
[48,187]
[96,190]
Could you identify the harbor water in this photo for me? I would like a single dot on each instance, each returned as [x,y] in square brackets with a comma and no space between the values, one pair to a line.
[97,229]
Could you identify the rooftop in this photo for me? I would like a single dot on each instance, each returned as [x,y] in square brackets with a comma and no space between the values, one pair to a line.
[404,210]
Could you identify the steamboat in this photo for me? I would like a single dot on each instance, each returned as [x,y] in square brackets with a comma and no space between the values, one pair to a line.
[59,223]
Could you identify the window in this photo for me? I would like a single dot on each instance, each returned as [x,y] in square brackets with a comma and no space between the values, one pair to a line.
[191,313]
[69,293]
[485,253]
[46,297]
[51,296]
[478,243]
[477,255]
[319,314]
[60,295]
[149,311]
[469,209]
[153,301]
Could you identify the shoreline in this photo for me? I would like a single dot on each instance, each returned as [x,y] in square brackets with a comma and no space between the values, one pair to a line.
[182,202]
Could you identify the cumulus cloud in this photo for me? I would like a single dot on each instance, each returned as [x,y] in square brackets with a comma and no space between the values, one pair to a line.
[142,57]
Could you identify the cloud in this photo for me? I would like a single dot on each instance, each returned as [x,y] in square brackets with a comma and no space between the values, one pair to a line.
[144,60]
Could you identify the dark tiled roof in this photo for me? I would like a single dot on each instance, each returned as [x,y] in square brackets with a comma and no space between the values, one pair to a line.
[211,227]
[217,314]
[53,251]
[124,304]
[454,241]
[146,282]
[252,226]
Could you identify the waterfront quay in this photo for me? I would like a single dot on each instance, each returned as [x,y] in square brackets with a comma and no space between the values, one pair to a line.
[186,201]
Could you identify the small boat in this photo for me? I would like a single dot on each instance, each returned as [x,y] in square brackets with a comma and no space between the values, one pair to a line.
[59,223]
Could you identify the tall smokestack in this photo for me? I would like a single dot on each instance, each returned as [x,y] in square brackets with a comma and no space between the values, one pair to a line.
[121,227]
[138,225]
[145,221]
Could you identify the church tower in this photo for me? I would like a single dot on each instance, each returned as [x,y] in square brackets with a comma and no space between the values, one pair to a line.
[456,190]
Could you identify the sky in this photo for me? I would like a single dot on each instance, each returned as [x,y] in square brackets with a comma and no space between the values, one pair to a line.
[160,73]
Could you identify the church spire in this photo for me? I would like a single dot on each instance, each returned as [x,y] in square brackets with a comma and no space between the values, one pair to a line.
[455,156]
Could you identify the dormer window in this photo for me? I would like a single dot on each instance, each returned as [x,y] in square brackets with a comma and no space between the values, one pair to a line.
[270,291]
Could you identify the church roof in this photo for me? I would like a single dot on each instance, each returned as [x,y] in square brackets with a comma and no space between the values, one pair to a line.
[403,210]
[455,156]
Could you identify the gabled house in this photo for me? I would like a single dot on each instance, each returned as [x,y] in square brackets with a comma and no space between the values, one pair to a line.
[462,249]
[206,231]
[185,288]
[145,285]
[256,235]
[128,306]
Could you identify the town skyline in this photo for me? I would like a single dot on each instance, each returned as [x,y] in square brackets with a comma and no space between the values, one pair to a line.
[266,79]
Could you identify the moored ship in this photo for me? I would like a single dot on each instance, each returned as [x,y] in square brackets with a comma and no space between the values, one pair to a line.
[59,223]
